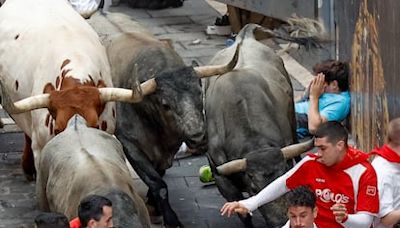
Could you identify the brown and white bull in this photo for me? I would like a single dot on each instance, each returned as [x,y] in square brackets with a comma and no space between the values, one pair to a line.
[53,59]
[73,167]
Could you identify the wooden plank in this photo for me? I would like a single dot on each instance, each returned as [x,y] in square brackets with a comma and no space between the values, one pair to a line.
[256,18]
[368,37]
[234,18]
[281,9]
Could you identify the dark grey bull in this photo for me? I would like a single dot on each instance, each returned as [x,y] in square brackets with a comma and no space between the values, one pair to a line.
[82,161]
[250,117]
[151,132]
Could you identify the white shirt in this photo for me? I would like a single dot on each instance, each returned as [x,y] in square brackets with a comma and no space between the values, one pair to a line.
[388,174]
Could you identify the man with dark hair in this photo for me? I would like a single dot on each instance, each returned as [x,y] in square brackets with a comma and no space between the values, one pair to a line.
[327,98]
[387,166]
[341,177]
[51,220]
[94,211]
[302,208]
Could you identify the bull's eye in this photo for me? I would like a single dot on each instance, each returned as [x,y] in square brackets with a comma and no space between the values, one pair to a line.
[165,105]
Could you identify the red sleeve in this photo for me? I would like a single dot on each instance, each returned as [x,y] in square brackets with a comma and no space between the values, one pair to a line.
[298,174]
[368,197]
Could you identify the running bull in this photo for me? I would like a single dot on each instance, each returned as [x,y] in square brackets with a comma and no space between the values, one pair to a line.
[153,130]
[73,167]
[250,117]
[52,58]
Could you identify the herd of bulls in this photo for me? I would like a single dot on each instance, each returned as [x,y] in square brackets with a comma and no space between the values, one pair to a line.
[70,93]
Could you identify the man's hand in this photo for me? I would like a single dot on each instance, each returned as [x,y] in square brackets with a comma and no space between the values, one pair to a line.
[340,212]
[317,86]
[231,207]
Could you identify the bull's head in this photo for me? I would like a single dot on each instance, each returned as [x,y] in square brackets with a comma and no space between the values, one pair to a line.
[178,100]
[86,101]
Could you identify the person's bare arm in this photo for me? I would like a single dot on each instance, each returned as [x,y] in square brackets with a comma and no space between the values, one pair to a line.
[391,218]
[316,90]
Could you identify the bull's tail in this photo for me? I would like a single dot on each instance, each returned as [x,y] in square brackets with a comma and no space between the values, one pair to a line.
[308,33]
[76,121]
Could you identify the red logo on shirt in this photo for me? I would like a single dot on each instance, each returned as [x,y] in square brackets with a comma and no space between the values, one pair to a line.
[371,190]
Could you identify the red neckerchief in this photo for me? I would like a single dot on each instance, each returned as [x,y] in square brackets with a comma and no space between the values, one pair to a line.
[351,158]
[387,153]
[313,155]
[75,223]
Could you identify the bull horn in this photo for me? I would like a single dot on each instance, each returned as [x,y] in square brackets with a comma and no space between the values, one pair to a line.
[235,166]
[208,71]
[294,150]
[128,95]
[28,104]
[24,105]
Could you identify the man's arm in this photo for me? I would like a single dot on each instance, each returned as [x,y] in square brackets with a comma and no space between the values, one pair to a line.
[274,190]
[271,192]
[391,218]
[359,220]
[316,90]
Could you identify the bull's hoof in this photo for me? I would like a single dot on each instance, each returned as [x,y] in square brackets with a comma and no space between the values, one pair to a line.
[176,4]
[172,222]
[30,177]
[174,226]
[156,219]
[30,174]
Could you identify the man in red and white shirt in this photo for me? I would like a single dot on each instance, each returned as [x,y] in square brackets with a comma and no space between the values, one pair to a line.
[387,166]
[341,177]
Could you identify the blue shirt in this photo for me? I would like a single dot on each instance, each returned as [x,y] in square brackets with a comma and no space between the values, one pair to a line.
[332,106]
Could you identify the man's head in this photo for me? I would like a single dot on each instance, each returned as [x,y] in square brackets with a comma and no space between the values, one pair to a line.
[393,137]
[301,207]
[95,211]
[51,220]
[331,140]
[336,75]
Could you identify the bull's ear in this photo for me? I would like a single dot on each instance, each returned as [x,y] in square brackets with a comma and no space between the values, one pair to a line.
[195,63]
[48,88]
[167,43]
[101,84]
